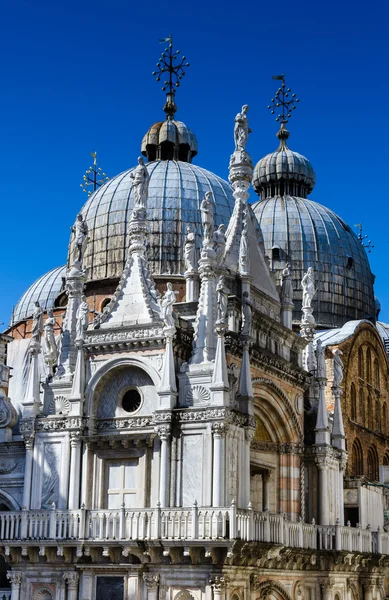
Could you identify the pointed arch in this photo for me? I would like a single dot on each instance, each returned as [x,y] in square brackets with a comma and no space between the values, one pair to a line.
[265,588]
[376,374]
[372,463]
[362,411]
[384,427]
[276,411]
[361,373]
[356,462]
[368,365]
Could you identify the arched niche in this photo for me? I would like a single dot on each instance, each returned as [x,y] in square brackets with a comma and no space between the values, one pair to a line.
[271,590]
[43,594]
[117,376]
[276,412]
[7,502]
[184,595]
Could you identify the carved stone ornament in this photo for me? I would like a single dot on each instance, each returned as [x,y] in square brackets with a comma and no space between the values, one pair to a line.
[299,404]
[8,414]
[219,583]
[184,595]
[151,581]
[197,395]
[71,578]
[14,577]
[59,405]
[43,594]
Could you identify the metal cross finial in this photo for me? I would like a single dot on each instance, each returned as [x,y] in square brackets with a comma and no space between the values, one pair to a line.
[368,245]
[170,64]
[94,177]
[283,101]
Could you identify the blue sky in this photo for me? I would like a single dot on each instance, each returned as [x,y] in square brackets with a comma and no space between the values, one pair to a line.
[76,77]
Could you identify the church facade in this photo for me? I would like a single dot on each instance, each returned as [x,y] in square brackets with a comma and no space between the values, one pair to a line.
[198,403]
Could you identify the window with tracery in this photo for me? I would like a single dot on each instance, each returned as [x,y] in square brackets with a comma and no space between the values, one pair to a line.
[370,411]
[353,401]
[372,464]
[378,424]
[384,426]
[356,459]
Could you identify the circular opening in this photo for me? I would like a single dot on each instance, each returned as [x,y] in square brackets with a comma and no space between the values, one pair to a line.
[131,400]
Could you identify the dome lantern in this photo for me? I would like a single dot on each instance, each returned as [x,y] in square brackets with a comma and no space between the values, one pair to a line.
[170,139]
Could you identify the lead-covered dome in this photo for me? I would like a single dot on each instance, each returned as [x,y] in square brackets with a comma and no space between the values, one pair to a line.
[176,190]
[306,234]
[44,290]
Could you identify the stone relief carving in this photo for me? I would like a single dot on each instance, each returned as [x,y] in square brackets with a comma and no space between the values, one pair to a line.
[59,405]
[184,595]
[50,485]
[197,395]
[8,414]
[43,594]
[112,386]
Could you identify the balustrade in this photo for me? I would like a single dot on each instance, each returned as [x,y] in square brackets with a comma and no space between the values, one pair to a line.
[196,523]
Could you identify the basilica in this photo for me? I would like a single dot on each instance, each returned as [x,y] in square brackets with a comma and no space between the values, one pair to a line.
[195,405]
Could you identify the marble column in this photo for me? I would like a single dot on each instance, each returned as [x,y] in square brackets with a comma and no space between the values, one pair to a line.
[342,468]
[326,586]
[324,509]
[71,579]
[219,430]
[151,582]
[29,443]
[164,435]
[15,578]
[75,467]
[192,281]
[31,401]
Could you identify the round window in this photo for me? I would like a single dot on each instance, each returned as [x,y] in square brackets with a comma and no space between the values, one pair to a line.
[131,401]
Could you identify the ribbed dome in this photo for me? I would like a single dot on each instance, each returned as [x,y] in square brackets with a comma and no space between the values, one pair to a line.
[283,172]
[168,140]
[306,234]
[176,190]
[45,290]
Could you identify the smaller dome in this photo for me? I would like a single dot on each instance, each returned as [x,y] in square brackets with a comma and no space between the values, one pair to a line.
[44,290]
[169,140]
[283,172]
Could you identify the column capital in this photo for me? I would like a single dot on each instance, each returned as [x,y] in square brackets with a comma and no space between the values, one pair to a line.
[14,577]
[151,580]
[219,429]
[326,584]
[71,578]
[164,432]
[75,438]
[219,583]
[323,462]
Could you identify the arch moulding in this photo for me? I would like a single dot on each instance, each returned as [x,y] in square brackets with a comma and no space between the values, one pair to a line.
[282,408]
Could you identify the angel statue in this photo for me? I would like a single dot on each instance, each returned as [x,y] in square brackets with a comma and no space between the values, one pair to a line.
[287,285]
[221,301]
[247,314]
[140,185]
[219,238]
[80,231]
[241,129]
[51,346]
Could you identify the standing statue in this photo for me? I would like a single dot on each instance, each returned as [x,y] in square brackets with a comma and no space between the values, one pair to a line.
[190,249]
[247,314]
[221,301]
[309,290]
[140,186]
[320,360]
[82,319]
[80,231]
[207,217]
[286,285]
[219,238]
[244,250]
[241,129]
[37,323]
[51,346]
[338,368]
[167,306]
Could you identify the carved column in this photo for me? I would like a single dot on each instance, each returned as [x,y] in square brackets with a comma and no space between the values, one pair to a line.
[192,285]
[219,586]
[218,479]
[75,467]
[325,586]
[342,468]
[324,509]
[71,579]
[164,435]
[249,433]
[29,443]
[75,280]
[15,578]
[151,582]
[31,402]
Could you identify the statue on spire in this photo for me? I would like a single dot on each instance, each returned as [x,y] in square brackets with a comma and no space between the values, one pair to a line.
[140,185]
[309,290]
[80,231]
[207,218]
[241,129]
[37,324]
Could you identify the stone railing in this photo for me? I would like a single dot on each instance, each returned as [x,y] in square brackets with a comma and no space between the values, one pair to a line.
[185,524]
[5,594]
